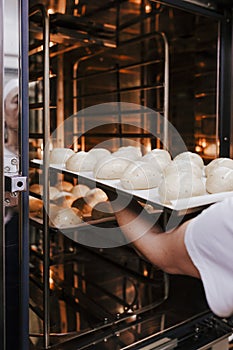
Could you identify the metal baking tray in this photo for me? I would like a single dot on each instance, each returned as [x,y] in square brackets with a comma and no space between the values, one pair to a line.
[149,196]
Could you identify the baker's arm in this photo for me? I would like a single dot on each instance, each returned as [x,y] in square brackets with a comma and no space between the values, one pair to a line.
[164,249]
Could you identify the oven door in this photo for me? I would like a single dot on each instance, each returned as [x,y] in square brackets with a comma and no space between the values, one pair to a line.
[14,259]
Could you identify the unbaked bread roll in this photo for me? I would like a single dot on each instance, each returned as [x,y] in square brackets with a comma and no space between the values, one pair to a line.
[180,166]
[87,203]
[191,156]
[82,206]
[95,195]
[64,186]
[218,162]
[141,175]
[80,190]
[102,210]
[220,180]
[35,204]
[81,161]
[157,157]
[128,152]
[60,155]
[38,189]
[53,192]
[67,217]
[110,168]
[53,211]
[99,153]
[174,187]
[157,152]
[64,199]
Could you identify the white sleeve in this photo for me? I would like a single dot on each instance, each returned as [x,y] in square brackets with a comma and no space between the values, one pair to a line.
[209,242]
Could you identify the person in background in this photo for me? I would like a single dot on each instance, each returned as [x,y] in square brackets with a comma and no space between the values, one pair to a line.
[201,247]
[11,114]
[11,109]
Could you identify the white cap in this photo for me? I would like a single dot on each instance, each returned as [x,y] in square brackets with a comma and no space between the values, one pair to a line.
[10,85]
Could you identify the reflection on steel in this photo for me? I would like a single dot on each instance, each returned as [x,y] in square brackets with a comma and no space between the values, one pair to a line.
[46,123]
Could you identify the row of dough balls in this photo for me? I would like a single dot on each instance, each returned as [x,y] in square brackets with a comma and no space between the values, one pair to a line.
[71,208]
[184,176]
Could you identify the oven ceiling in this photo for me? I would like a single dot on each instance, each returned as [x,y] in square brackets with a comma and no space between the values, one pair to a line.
[217,4]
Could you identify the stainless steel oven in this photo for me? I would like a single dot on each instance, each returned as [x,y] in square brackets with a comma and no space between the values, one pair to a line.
[173,58]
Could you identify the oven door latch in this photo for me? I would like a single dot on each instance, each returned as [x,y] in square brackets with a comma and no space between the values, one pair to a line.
[14,182]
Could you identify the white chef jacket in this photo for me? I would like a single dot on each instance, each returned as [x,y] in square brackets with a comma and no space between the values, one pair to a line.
[209,242]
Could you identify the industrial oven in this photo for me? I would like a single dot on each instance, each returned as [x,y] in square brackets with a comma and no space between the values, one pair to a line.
[111,74]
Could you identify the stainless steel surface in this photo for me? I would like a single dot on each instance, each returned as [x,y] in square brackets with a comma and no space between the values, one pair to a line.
[11,164]
[15,183]
[2,185]
[24,150]
[46,137]
[162,344]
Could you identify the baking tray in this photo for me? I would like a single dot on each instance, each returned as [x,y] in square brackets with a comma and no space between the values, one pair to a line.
[149,196]
[87,223]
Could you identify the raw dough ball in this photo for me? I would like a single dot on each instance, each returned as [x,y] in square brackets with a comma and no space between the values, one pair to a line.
[95,195]
[220,180]
[141,175]
[157,153]
[53,192]
[157,157]
[99,153]
[128,152]
[80,190]
[218,162]
[83,206]
[60,155]
[64,186]
[38,189]
[192,157]
[102,210]
[35,204]
[81,161]
[67,217]
[110,168]
[180,166]
[92,197]
[174,187]
[64,199]
[53,211]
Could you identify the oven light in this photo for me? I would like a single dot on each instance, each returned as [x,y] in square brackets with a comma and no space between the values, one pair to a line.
[51,281]
[204,143]
[50,11]
[198,149]
[148,8]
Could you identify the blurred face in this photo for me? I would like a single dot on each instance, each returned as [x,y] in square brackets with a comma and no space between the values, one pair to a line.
[11,109]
